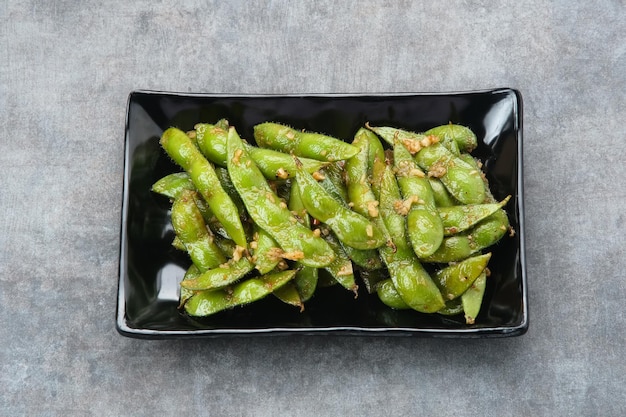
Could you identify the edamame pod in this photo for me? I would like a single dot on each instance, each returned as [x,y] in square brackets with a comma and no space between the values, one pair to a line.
[501,215]
[472,298]
[302,144]
[205,303]
[457,219]
[372,278]
[289,294]
[178,244]
[452,308]
[341,267]
[306,282]
[190,228]
[376,150]
[460,246]
[463,137]
[185,294]
[180,148]
[227,246]
[265,251]
[350,227]
[359,191]
[306,276]
[424,226]
[273,164]
[461,179]
[278,165]
[388,294]
[441,194]
[296,240]
[333,182]
[211,140]
[411,280]
[455,279]
[220,276]
[173,184]
[483,235]
[227,185]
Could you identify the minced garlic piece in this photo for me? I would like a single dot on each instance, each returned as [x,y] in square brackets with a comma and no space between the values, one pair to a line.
[372,208]
[236,156]
[282,174]
[238,252]
[293,256]
[345,270]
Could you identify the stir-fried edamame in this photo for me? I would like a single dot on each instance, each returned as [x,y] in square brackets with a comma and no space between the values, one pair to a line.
[408,216]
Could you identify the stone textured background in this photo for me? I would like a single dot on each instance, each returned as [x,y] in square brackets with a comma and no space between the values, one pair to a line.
[66,69]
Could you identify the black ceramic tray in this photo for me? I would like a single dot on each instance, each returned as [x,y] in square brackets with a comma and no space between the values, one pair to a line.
[150,269]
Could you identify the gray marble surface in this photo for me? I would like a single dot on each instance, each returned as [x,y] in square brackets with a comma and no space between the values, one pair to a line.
[66,69]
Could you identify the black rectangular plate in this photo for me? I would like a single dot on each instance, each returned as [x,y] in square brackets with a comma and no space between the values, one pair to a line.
[151,270]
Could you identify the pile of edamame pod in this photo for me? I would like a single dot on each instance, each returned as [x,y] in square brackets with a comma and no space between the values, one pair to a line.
[408,215]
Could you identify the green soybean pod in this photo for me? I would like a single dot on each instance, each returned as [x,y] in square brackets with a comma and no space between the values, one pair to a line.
[273,164]
[460,246]
[455,279]
[265,251]
[457,219]
[388,294]
[302,144]
[359,192]
[334,183]
[441,194]
[357,178]
[411,280]
[185,294]
[289,294]
[452,308]
[350,227]
[487,236]
[220,276]
[211,140]
[463,138]
[277,165]
[371,278]
[472,298]
[306,277]
[180,148]
[483,235]
[386,187]
[424,226]
[227,246]
[461,179]
[205,303]
[190,228]
[376,150]
[173,184]
[341,268]
[178,244]
[269,213]
[227,185]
